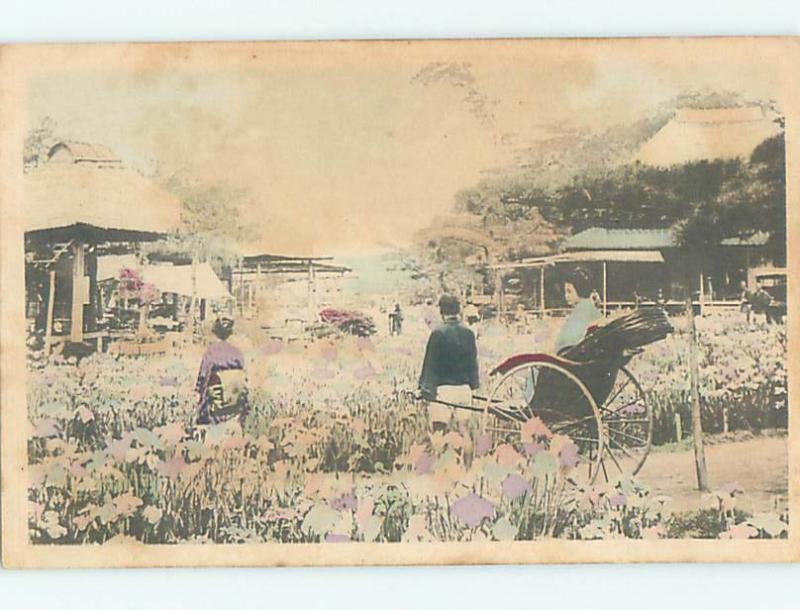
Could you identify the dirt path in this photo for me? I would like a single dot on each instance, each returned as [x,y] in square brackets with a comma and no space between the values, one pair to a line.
[759,465]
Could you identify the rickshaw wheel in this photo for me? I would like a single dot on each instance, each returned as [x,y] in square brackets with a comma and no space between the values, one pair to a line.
[628,423]
[522,393]
[614,438]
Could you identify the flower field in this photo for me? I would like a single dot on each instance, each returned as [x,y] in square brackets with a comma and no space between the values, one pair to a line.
[334,450]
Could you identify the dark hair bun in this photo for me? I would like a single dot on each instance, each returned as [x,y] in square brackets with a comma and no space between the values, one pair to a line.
[223,327]
[582,280]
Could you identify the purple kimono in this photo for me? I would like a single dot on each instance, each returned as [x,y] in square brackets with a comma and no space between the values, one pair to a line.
[219,356]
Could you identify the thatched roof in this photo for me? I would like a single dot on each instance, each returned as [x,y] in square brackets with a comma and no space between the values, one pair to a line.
[695,134]
[81,152]
[60,195]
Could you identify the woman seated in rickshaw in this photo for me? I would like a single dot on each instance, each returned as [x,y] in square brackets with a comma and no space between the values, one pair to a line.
[583,314]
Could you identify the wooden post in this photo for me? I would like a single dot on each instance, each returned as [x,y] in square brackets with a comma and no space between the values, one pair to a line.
[747,269]
[241,288]
[605,289]
[51,300]
[697,425]
[498,282]
[541,290]
[702,295]
[78,280]
[312,307]
[144,312]
[192,322]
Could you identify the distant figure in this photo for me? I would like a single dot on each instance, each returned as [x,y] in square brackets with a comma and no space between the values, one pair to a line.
[430,314]
[746,301]
[450,368]
[396,320]
[762,302]
[221,381]
[471,313]
[661,301]
[577,293]
[521,319]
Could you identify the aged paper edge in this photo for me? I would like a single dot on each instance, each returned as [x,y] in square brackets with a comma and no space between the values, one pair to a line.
[18,64]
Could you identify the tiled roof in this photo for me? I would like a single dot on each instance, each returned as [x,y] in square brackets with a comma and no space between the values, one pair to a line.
[756,239]
[597,238]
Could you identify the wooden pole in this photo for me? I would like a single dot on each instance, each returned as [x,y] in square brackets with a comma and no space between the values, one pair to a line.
[192,322]
[242,304]
[605,289]
[697,425]
[702,294]
[497,280]
[311,313]
[51,300]
[541,290]
[78,280]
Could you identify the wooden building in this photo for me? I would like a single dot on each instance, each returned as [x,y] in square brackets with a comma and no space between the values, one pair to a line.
[82,203]
[630,266]
[716,277]
[258,275]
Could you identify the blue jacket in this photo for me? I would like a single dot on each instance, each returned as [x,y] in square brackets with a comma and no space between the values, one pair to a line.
[451,358]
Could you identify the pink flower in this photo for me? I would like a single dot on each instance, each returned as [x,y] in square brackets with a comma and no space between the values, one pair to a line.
[472,510]
[484,444]
[515,486]
[568,456]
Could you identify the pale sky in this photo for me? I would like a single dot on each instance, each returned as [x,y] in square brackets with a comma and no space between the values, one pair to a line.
[338,155]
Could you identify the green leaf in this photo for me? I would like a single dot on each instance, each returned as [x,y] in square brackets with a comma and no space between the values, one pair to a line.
[544,464]
[504,530]
[320,520]
[768,523]
[495,473]
[56,475]
[147,438]
[373,528]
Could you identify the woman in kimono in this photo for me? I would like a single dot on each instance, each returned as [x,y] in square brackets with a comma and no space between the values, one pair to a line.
[584,312]
[221,382]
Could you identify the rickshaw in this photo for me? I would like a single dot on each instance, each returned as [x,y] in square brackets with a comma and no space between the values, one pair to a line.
[586,392]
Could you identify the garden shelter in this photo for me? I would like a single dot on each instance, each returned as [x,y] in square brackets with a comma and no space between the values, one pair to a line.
[81,203]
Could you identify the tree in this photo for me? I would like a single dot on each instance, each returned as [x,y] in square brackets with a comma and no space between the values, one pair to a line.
[752,199]
[37,143]
[211,228]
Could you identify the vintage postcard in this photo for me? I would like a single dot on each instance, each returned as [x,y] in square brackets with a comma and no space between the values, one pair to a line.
[399,302]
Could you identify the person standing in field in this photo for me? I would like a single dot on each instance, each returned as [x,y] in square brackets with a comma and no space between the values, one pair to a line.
[430,315]
[471,314]
[450,367]
[746,301]
[396,320]
[221,382]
